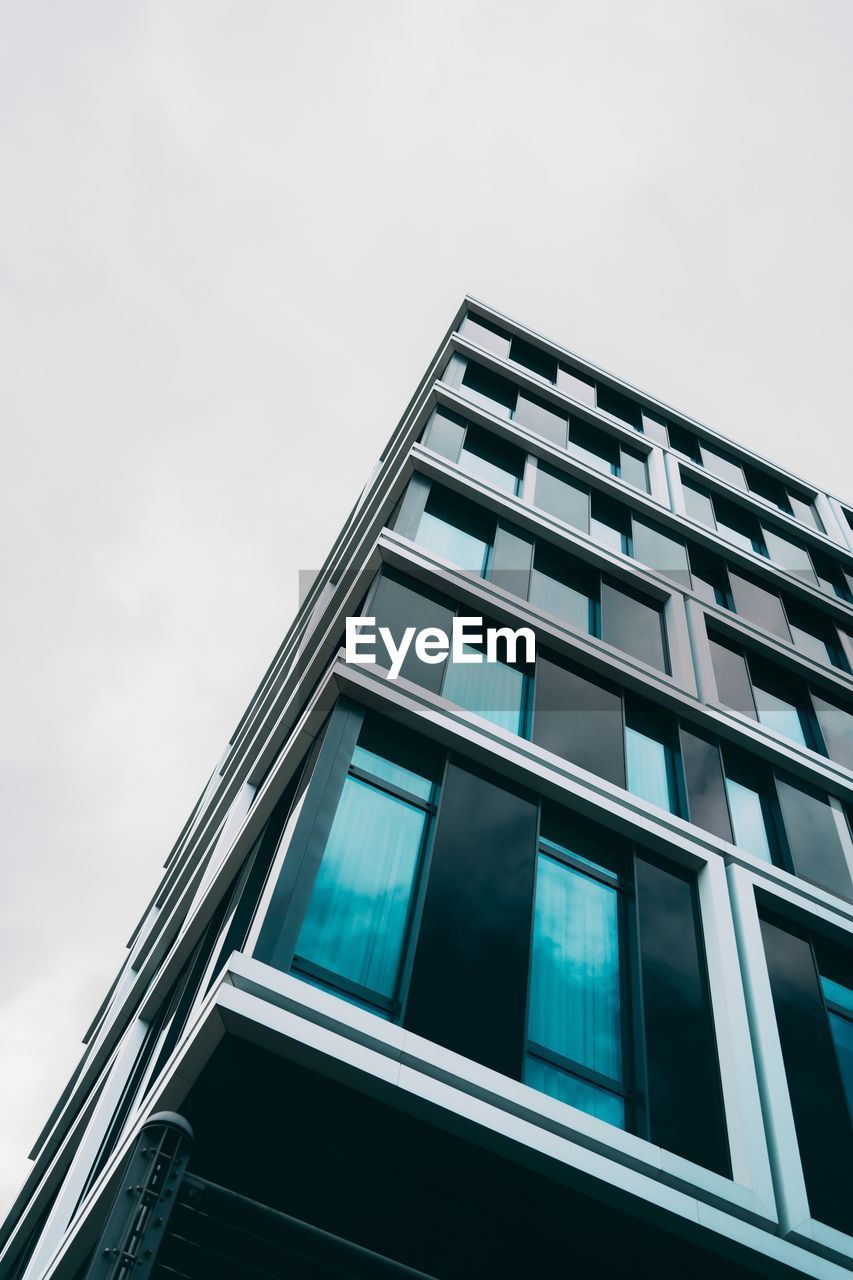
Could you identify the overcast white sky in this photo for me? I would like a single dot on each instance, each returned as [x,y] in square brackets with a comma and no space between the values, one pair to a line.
[231,236]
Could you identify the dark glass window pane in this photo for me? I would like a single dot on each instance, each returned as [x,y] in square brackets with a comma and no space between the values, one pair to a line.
[758,604]
[739,526]
[561,497]
[355,924]
[684,442]
[836,726]
[493,461]
[767,487]
[649,758]
[804,511]
[704,782]
[468,987]
[830,577]
[534,359]
[456,532]
[634,468]
[661,551]
[594,447]
[685,1103]
[654,428]
[733,683]
[575,1003]
[564,588]
[620,406]
[788,555]
[709,577]
[445,433]
[579,717]
[698,504]
[399,604]
[723,466]
[542,418]
[489,389]
[633,624]
[818,1101]
[610,524]
[575,385]
[813,837]
[485,335]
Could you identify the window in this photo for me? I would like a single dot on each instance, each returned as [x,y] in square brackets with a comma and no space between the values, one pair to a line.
[698,504]
[456,532]
[654,428]
[605,454]
[488,389]
[574,384]
[610,524]
[661,551]
[836,981]
[485,335]
[488,458]
[811,979]
[789,555]
[684,442]
[803,509]
[354,931]
[751,809]
[814,635]
[619,406]
[650,758]
[710,580]
[564,589]
[497,691]
[830,576]
[575,1020]
[561,497]
[759,604]
[723,466]
[444,433]
[542,418]
[634,624]
[738,526]
[534,359]
[836,727]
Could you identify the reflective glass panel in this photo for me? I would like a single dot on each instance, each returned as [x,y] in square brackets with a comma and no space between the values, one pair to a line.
[748,819]
[493,690]
[648,763]
[454,535]
[779,715]
[355,924]
[485,457]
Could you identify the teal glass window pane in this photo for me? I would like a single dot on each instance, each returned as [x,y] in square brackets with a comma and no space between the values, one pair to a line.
[565,597]
[648,763]
[837,993]
[389,771]
[787,555]
[748,821]
[488,389]
[483,457]
[493,690]
[734,531]
[453,537]
[356,920]
[576,1092]
[610,524]
[780,716]
[842,1035]
[575,988]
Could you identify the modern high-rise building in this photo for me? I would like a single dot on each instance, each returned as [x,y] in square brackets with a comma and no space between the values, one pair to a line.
[519,967]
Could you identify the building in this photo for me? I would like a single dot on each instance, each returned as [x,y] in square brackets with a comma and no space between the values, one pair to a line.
[495,968]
